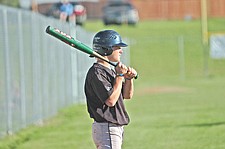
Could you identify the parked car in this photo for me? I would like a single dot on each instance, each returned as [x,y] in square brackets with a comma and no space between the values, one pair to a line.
[120,12]
[79,11]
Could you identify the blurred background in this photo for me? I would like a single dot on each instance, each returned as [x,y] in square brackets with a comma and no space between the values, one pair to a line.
[177,47]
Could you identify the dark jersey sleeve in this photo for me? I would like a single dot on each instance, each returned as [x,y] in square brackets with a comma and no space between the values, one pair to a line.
[101,85]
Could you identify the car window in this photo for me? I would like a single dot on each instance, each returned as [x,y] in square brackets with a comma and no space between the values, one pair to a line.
[118,6]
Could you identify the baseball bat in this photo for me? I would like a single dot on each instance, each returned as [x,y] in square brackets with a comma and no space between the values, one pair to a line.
[76,44]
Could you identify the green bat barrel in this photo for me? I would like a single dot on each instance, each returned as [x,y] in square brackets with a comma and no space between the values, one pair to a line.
[69,40]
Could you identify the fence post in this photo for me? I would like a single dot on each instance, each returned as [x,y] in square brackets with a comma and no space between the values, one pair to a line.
[22,70]
[74,68]
[46,78]
[181,57]
[36,69]
[7,74]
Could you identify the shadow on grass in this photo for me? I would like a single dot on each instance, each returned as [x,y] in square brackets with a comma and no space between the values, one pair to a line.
[204,124]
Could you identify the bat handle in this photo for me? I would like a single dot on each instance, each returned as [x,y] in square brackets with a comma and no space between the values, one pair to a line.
[113,64]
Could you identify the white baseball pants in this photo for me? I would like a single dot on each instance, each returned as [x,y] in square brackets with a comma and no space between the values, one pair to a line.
[107,135]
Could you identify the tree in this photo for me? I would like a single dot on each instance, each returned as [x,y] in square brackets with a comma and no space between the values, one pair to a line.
[12,3]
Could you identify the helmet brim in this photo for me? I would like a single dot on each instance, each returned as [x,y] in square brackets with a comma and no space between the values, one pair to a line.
[121,44]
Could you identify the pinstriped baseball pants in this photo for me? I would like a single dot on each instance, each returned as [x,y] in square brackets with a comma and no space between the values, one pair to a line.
[107,135]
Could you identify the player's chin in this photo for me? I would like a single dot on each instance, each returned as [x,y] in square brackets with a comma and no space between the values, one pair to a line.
[117,59]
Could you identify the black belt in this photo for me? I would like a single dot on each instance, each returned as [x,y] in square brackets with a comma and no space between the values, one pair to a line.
[111,124]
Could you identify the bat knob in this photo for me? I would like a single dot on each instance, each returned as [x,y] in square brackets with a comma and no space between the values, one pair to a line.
[136,76]
[47,29]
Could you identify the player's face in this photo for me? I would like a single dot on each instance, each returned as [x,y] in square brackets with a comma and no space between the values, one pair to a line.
[116,54]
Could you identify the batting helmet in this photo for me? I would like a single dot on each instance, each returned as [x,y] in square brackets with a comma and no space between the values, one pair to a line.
[104,41]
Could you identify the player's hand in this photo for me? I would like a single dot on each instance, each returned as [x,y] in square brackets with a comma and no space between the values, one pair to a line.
[131,73]
[121,69]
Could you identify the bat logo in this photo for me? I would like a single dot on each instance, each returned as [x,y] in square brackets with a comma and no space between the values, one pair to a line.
[64,34]
[112,37]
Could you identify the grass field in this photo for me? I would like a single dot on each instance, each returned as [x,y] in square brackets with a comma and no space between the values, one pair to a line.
[166,111]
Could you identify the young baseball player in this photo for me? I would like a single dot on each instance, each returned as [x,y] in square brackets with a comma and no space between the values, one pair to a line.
[106,89]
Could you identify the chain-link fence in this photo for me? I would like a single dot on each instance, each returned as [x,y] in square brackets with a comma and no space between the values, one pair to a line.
[38,74]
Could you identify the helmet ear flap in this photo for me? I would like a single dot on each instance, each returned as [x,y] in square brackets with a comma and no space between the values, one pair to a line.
[105,51]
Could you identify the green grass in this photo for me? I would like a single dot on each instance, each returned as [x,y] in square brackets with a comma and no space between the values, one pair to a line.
[166,112]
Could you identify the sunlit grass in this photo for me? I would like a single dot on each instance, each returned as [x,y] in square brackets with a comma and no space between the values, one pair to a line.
[166,111]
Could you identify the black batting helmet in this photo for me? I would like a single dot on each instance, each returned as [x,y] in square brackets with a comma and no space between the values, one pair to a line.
[104,41]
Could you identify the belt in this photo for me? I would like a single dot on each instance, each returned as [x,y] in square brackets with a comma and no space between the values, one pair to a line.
[109,123]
